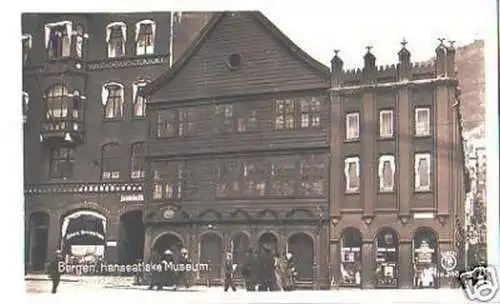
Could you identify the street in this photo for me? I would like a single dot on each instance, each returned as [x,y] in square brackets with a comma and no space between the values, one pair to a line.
[76,292]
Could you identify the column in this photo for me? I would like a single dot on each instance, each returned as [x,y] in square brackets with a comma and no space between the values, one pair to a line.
[54,235]
[368,259]
[404,147]
[336,190]
[335,262]
[405,264]
[111,252]
[148,239]
[443,149]
[368,159]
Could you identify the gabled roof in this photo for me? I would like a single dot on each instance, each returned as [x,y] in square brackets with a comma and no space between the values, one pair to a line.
[191,50]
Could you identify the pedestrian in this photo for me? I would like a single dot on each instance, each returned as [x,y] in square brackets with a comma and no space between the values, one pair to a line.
[291,274]
[169,275]
[155,275]
[267,280]
[184,264]
[229,268]
[247,272]
[54,271]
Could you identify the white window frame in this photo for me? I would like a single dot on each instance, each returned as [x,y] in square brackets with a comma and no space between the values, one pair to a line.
[123,26]
[29,38]
[150,50]
[104,97]
[382,159]
[382,113]
[418,158]
[69,31]
[135,90]
[347,162]
[26,101]
[350,134]
[418,127]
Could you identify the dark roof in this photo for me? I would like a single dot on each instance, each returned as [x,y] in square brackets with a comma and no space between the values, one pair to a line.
[205,32]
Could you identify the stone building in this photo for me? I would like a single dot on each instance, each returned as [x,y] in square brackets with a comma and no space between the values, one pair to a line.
[85,128]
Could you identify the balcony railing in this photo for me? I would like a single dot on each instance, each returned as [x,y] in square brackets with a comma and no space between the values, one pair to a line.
[62,128]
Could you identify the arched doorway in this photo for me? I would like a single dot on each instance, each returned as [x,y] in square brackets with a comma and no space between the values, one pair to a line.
[301,246]
[211,253]
[131,237]
[387,259]
[350,258]
[83,237]
[37,239]
[168,241]
[425,258]
[268,239]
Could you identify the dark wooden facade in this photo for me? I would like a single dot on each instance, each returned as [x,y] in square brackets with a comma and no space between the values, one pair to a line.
[72,139]
[238,154]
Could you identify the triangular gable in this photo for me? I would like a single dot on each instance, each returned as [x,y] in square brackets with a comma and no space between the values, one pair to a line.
[271,62]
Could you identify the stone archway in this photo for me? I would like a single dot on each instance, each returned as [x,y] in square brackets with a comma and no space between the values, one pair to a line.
[425,258]
[350,258]
[168,241]
[131,237]
[301,246]
[387,258]
[83,236]
[268,239]
[211,253]
[37,235]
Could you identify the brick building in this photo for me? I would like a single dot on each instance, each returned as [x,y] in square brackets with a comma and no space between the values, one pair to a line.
[85,128]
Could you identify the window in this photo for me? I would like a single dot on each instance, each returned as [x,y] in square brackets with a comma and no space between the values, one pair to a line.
[139,108]
[116,36]
[26,46]
[310,110]
[58,102]
[112,99]
[168,182]
[312,174]
[165,124]
[422,172]
[386,123]
[187,125]
[422,122]
[25,103]
[62,161]
[137,161]
[247,120]
[228,176]
[224,117]
[58,39]
[145,37]
[352,126]
[283,176]
[80,33]
[386,171]
[254,174]
[352,176]
[285,114]
[110,161]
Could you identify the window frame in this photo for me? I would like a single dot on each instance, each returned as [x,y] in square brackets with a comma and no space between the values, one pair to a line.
[282,120]
[67,33]
[283,176]
[160,117]
[312,111]
[69,157]
[144,48]
[116,173]
[26,53]
[109,28]
[172,188]
[136,87]
[422,156]
[186,122]
[65,100]
[417,132]
[381,132]
[105,96]
[137,161]
[255,183]
[25,103]
[347,161]
[348,134]
[381,160]
[311,164]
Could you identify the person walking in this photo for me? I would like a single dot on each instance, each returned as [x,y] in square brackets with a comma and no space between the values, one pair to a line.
[247,270]
[184,264]
[54,271]
[229,268]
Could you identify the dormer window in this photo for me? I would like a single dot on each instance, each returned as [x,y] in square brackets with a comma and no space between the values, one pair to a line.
[26,46]
[116,36]
[145,37]
[58,39]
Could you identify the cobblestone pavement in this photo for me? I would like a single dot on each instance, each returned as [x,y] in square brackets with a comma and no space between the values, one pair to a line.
[89,291]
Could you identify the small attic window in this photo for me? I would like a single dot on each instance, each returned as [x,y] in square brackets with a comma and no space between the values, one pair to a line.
[234,61]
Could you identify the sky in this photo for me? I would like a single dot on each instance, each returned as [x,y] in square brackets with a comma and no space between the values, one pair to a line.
[321,26]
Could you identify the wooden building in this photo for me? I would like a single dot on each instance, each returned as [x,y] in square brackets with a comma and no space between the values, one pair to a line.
[238,152]
[85,128]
